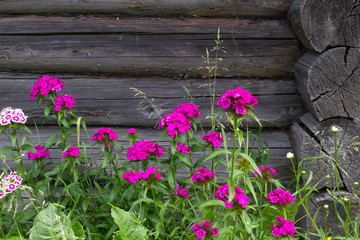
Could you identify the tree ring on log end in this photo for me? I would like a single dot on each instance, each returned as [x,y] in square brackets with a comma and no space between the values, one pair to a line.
[311,138]
[329,83]
[326,23]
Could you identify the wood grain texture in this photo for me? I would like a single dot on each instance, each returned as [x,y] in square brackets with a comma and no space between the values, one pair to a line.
[323,24]
[135,54]
[277,140]
[329,83]
[311,138]
[218,8]
[109,100]
[230,28]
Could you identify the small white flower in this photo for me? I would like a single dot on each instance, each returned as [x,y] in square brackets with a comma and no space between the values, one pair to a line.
[334,129]
[289,155]
[326,206]
[346,199]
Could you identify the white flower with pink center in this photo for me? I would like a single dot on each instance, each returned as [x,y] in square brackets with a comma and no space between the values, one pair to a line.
[9,115]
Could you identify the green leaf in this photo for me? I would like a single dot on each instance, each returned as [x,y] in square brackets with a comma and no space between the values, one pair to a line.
[130,227]
[50,140]
[51,224]
[212,203]
[6,149]
[231,184]
[64,122]
[78,230]
[47,110]
[28,147]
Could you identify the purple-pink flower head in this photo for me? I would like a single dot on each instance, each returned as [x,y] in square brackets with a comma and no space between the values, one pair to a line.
[182,148]
[144,149]
[182,191]
[281,197]
[64,102]
[204,230]
[44,85]
[131,131]
[151,175]
[104,136]
[283,228]
[189,110]
[133,177]
[175,123]
[9,183]
[71,152]
[266,172]
[237,101]
[9,115]
[240,199]
[202,176]
[214,138]
[41,153]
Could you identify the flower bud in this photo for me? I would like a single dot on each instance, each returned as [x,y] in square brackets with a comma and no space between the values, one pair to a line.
[334,129]
[356,183]
[303,172]
[346,199]
[289,155]
[327,176]
[326,206]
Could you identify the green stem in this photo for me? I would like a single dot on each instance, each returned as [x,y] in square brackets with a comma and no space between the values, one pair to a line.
[233,154]
[157,210]
[234,232]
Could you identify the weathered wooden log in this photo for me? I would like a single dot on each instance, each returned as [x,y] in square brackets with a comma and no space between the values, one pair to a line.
[329,83]
[136,54]
[109,100]
[311,138]
[230,28]
[223,8]
[277,141]
[317,202]
[323,24]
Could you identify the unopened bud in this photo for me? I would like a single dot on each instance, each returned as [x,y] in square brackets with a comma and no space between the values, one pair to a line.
[327,176]
[326,206]
[334,129]
[289,155]
[356,183]
[303,172]
[346,199]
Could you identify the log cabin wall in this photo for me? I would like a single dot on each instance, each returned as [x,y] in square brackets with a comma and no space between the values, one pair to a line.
[100,49]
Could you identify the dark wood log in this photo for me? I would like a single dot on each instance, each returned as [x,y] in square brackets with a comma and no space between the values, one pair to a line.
[317,202]
[311,138]
[109,100]
[277,141]
[230,28]
[323,24]
[219,8]
[127,54]
[329,83]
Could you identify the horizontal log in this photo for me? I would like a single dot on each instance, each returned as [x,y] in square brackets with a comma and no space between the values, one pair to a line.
[176,55]
[109,100]
[277,141]
[219,8]
[230,28]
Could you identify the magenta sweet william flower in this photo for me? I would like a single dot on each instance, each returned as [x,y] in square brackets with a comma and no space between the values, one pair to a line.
[133,177]
[202,176]
[151,175]
[71,151]
[175,123]
[105,136]
[9,115]
[143,150]
[181,191]
[283,228]
[182,148]
[238,101]
[189,110]
[240,199]
[132,131]
[214,138]
[41,153]
[204,229]
[266,172]
[9,183]
[44,85]
[281,197]
[64,102]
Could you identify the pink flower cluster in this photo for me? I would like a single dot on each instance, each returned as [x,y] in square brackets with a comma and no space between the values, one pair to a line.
[151,174]
[202,176]
[280,196]
[71,151]
[181,191]
[66,101]
[266,172]
[204,230]
[215,138]
[9,183]
[188,110]
[9,115]
[240,199]
[175,123]
[182,148]
[44,85]
[283,228]
[105,136]
[238,100]
[144,149]
[132,131]
[41,153]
